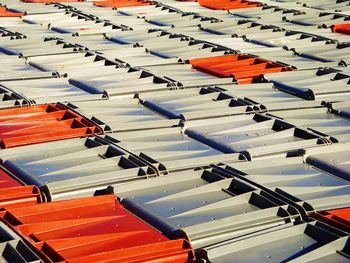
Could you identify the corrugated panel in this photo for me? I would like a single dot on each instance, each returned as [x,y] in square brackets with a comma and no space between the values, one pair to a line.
[121,115]
[207,206]
[33,8]
[319,120]
[20,29]
[182,48]
[244,68]
[277,54]
[327,32]
[325,83]
[115,51]
[267,11]
[293,40]
[86,28]
[90,42]
[133,22]
[71,63]
[189,104]
[256,135]
[333,5]
[179,19]
[76,167]
[130,56]
[156,8]
[133,19]
[57,15]
[289,171]
[137,36]
[196,33]
[243,28]
[73,22]
[167,45]
[300,243]
[169,149]
[16,69]
[316,17]
[95,229]
[272,36]
[185,76]
[268,97]
[238,170]
[50,122]
[119,82]
[188,6]
[334,160]
[299,179]
[338,52]
[28,47]
[42,91]
[294,60]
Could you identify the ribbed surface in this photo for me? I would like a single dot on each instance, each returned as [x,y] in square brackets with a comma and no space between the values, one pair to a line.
[175,131]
